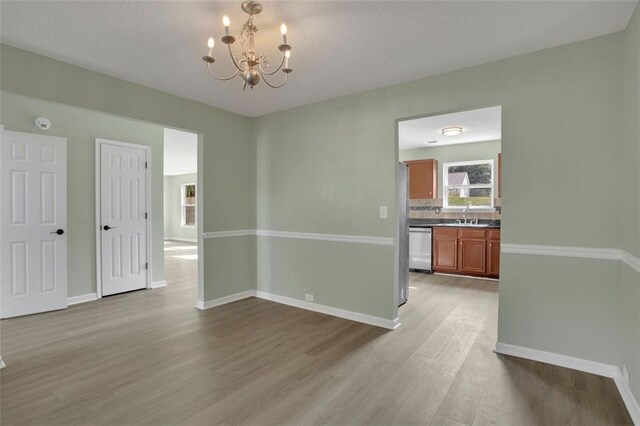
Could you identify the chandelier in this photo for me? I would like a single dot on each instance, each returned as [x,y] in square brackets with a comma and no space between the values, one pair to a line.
[251,67]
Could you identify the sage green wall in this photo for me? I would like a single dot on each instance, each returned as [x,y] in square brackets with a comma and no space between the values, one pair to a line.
[327,167]
[228,198]
[173,207]
[452,153]
[629,303]
[81,128]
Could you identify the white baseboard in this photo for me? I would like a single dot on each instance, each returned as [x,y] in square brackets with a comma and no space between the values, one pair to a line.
[593,367]
[329,310]
[628,397]
[323,309]
[158,284]
[89,297]
[186,240]
[224,300]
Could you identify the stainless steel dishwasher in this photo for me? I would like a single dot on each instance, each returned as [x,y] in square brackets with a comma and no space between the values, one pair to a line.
[420,248]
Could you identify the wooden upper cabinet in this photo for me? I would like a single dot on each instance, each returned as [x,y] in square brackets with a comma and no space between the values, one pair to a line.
[423,178]
[500,175]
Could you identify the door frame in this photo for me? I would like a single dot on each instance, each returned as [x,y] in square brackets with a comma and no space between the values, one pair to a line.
[147,151]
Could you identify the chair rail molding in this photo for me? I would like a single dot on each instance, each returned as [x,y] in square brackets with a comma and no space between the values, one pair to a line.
[357,239]
[576,252]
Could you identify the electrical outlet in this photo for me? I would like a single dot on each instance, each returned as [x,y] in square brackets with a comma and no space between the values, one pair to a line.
[383,212]
[625,374]
[308,297]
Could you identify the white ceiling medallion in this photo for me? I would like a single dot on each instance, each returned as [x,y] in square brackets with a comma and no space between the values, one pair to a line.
[251,67]
[452,131]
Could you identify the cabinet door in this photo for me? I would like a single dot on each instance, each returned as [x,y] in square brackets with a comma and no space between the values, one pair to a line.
[445,254]
[423,179]
[472,256]
[493,258]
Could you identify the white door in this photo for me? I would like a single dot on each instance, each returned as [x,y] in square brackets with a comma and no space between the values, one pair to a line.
[123,227]
[33,192]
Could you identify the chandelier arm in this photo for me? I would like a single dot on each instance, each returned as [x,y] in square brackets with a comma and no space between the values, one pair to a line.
[286,76]
[221,78]
[234,59]
[276,70]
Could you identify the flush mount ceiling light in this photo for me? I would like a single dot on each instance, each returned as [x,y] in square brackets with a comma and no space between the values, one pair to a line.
[452,131]
[251,67]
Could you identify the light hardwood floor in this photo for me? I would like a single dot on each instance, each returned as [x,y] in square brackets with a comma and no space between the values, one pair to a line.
[150,357]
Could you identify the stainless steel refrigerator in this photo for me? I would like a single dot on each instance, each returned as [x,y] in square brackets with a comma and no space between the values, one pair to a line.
[403,235]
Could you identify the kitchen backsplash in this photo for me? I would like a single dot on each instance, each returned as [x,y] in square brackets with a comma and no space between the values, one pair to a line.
[431,209]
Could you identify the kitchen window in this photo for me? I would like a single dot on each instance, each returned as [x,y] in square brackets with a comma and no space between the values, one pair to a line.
[468,184]
[188,197]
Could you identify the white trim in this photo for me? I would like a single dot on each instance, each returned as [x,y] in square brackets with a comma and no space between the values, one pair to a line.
[2,364]
[593,367]
[323,309]
[225,234]
[329,310]
[627,396]
[577,252]
[98,222]
[89,297]
[302,236]
[327,237]
[158,284]
[445,186]
[224,300]
[186,240]
[631,260]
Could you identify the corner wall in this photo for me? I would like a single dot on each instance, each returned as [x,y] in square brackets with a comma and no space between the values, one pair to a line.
[81,128]
[629,296]
[326,168]
[228,150]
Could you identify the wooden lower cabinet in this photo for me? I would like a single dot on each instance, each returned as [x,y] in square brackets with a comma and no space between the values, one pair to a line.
[466,251]
[472,257]
[493,253]
[445,254]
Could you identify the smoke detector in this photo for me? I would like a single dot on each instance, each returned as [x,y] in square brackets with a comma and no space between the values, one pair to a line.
[43,123]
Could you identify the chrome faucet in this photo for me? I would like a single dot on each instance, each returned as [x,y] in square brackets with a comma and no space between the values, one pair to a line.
[464,213]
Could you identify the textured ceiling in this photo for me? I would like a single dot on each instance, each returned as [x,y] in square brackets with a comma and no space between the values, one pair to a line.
[339,47]
[479,125]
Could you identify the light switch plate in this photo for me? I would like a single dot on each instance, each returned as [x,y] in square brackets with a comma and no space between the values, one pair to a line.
[384,212]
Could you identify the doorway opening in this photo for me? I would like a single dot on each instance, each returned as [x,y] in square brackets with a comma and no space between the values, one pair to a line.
[180,208]
[450,201]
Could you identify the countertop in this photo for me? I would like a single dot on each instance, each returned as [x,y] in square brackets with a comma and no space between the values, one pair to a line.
[433,223]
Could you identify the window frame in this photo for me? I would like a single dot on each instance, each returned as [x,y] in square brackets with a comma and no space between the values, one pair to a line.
[445,186]
[183,205]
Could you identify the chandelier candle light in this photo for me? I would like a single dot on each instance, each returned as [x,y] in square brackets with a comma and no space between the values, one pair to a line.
[251,67]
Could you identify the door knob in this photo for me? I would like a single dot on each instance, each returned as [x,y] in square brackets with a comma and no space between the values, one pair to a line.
[107,227]
[58,231]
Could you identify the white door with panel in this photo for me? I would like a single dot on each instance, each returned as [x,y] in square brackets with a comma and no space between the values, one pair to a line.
[33,238]
[123,218]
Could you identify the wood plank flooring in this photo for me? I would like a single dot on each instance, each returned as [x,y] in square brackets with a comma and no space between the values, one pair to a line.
[151,358]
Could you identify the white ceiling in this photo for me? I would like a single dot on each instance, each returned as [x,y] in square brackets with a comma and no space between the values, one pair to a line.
[479,125]
[180,152]
[339,47]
